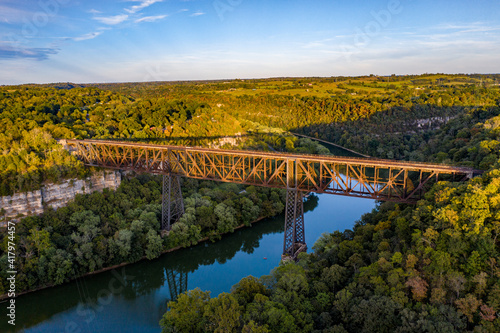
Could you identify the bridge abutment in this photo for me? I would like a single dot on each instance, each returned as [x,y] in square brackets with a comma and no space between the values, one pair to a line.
[172,202]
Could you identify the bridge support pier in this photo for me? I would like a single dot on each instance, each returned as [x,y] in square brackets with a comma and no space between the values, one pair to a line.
[172,202]
[295,241]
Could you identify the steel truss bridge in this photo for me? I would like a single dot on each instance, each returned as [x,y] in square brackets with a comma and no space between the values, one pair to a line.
[378,179]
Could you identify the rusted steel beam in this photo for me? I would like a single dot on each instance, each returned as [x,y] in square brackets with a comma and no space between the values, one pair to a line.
[370,162]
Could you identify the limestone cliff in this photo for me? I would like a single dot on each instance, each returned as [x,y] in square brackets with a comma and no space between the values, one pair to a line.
[56,195]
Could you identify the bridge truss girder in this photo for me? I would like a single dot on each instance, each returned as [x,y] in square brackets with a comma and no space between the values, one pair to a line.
[360,177]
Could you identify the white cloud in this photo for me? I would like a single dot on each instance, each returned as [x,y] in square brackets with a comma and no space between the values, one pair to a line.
[9,52]
[12,15]
[150,18]
[111,20]
[454,26]
[94,11]
[91,35]
[465,29]
[141,6]
[197,14]
[318,43]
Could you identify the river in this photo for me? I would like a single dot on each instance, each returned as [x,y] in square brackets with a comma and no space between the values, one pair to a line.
[134,297]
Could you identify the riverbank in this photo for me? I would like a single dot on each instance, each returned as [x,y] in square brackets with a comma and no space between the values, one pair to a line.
[102,270]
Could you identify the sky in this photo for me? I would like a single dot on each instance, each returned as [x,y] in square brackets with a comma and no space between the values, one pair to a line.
[91,41]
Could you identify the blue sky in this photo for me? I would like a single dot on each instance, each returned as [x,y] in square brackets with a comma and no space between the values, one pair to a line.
[87,41]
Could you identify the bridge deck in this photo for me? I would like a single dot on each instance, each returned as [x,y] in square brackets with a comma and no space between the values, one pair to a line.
[364,177]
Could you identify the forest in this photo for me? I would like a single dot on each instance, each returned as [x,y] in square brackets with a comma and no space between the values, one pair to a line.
[429,267]
[35,117]
[100,230]
[388,117]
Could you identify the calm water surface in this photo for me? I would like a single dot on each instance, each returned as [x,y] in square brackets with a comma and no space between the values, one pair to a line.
[133,298]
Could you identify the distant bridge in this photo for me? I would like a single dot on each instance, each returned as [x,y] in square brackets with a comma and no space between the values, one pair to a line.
[378,179]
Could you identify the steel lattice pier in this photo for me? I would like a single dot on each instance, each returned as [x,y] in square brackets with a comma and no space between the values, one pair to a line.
[172,202]
[295,239]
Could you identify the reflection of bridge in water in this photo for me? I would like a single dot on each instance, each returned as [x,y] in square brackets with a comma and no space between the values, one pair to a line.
[378,179]
[177,282]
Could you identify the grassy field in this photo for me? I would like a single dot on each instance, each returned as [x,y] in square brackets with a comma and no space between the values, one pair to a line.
[354,86]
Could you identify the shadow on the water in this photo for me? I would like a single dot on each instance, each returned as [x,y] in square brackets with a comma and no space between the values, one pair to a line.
[91,294]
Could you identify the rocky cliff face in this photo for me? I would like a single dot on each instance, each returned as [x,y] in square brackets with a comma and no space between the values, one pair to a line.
[56,195]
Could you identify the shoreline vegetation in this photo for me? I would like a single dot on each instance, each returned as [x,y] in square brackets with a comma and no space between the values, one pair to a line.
[105,269]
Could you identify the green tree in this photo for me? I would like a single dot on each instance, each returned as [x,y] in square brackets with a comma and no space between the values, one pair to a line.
[40,240]
[226,220]
[246,289]
[376,314]
[186,314]
[154,245]
[222,314]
